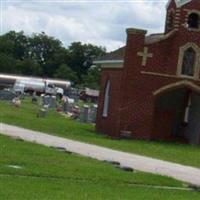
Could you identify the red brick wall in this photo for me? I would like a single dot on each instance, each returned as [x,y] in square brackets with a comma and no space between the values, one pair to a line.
[109,124]
[132,99]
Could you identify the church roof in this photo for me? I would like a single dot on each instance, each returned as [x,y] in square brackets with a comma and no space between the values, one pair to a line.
[179,3]
[114,55]
[91,92]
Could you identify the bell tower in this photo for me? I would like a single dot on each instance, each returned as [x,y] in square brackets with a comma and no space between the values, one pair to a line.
[183,14]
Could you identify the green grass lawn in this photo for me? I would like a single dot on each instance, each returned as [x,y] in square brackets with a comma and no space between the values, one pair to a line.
[56,124]
[46,173]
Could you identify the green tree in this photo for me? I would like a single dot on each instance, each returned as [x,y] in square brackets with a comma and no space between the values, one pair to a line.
[92,78]
[28,67]
[48,52]
[15,44]
[81,56]
[65,72]
[42,55]
[7,63]
[6,46]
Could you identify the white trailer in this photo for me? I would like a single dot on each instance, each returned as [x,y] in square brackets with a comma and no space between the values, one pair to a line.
[10,79]
[37,86]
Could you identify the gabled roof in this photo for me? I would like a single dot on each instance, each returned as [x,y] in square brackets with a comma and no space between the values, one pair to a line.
[91,92]
[179,3]
[114,55]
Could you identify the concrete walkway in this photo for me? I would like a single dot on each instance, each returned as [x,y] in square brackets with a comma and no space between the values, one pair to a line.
[141,163]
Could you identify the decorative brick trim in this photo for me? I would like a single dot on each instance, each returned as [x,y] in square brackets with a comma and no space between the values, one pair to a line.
[194,29]
[178,3]
[168,75]
[159,74]
[135,31]
[192,11]
[170,17]
[180,84]
[166,36]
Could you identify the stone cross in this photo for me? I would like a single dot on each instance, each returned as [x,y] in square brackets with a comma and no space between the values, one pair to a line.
[145,55]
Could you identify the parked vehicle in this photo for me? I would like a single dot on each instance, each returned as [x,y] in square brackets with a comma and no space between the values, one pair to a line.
[8,80]
[37,86]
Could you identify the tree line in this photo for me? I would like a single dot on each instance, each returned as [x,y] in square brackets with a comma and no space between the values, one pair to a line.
[45,56]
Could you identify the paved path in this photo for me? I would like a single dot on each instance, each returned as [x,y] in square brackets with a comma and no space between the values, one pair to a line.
[141,163]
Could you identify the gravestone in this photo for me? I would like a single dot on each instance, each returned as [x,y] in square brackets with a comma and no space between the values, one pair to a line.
[42,112]
[67,104]
[16,102]
[71,102]
[34,100]
[127,169]
[7,95]
[115,163]
[125,134]
[75,112]
[84,115]
[93,113]
[49,100]
[41,102]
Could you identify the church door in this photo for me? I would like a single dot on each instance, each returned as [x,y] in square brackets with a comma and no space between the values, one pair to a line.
[192,130]
[177,116]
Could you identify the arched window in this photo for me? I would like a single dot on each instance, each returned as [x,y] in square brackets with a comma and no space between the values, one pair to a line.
[188,64]
[193,21]
[106,99]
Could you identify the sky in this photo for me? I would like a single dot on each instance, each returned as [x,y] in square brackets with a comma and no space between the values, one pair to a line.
[99,22]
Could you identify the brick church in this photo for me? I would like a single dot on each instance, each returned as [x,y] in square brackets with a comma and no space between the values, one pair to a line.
[150,89]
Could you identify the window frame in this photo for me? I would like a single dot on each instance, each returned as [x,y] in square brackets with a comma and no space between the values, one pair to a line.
[196,63]
[198,25]
[106,99]
[189,12]
[183,66]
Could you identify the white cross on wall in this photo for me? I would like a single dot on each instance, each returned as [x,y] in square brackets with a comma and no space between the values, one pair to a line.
[145,55]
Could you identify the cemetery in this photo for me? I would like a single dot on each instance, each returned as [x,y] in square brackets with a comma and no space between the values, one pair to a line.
[43,93]
[53,122]
[126,125]
[34,171]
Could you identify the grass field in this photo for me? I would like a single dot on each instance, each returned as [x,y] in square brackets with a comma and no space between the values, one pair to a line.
[56,124]
[46,173]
